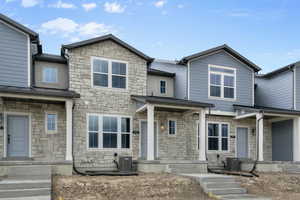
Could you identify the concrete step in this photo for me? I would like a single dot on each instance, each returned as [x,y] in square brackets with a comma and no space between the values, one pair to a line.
[24,184]
[209,185]
[28,177]
[225,191]
[184,168]
[220,179]
[242,197]
[47,197]
[12,193]
[29,170]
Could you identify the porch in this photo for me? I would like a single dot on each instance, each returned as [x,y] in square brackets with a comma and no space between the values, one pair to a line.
[169,139]
[277,138]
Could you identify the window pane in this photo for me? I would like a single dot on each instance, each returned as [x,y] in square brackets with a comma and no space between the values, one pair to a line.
[162,87]
[93,140]
[125,125]
[93,123]
[224,130]
[110,124]
[101,80]
[100,66]
[228,92]
[215,79]
[215,91]
[50,75]
[118,82]
[229,81]
[51,122]
[109,140]
[217,69]
[213,144]
[213,129]
[125,141]
[224,144]
[172,127]
[118,68]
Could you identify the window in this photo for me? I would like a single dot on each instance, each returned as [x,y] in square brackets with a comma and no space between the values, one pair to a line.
[50,75]
[221,82]
[109,132]
[172,127]
[51,122]
[198,135]
[218,134]
[163,87]
[110,74]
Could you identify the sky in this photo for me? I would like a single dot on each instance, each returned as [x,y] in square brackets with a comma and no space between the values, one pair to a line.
[265,31]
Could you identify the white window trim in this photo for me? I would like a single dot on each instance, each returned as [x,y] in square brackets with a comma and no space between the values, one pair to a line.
[109,74]
[100,132]
[44,78]
[46,122]
[165,87]
[222,82]
[170,119]
[219,138]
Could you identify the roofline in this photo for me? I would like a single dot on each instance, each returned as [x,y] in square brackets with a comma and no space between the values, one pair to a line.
[269,109]
[108,37]
[156,72]
[278,71]
[225,47]
[50,58]
[19,26]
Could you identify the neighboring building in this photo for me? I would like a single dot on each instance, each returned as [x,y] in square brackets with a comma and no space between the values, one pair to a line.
[102,99]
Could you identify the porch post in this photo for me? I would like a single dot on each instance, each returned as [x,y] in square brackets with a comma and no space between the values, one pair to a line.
[69,142]
[296,140]
[150,132]
[260,145]
[202,135]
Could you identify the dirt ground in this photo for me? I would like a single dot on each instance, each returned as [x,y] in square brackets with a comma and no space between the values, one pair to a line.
[144,186]
[279,186]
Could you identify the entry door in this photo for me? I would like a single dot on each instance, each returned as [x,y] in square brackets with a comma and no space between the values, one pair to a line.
[242,142]
[143,136]
[17,136]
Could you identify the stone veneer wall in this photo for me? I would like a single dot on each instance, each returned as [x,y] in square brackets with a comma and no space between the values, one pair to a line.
[45,147]
[103,100]
[251,123]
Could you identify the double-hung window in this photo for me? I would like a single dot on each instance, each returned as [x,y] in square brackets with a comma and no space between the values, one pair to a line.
[51,122]
[222,82]
[218,136]
[109,132]
[163,87]
[50,75]
[109,73]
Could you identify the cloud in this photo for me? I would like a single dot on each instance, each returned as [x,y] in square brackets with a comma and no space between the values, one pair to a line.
[8,1]
[61,4]
[113,7]
[180,6]
[30,3]
[89,6]
[68,28]
[160,3]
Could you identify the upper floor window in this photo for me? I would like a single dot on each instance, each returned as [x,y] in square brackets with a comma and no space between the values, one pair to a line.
[50,75]
[105,131]
[222,82]
[218,136]
[109,73]
[163,87]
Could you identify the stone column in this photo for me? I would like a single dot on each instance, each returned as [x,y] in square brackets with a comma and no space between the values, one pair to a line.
[202,135]
[260,145]
[296,140]
[69,137]
[150,132]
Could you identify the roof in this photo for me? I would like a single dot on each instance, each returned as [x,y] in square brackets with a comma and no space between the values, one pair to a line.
[268,109]
[108,37]
[19,26]
[50,58]
[157,72]
[170,101]
[278,71]
[218,48]
[39,92]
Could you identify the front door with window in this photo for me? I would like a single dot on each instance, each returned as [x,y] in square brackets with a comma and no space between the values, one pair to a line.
[143,136]
[242,142]
[17,136]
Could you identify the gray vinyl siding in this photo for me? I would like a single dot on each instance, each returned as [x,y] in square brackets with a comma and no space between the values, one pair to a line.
[276,91]
[297,86]
[180,82]
[199,81]
[13,57]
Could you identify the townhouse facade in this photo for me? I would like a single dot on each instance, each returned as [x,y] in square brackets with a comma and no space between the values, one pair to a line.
[102,99]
